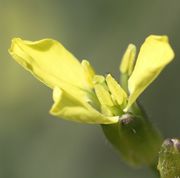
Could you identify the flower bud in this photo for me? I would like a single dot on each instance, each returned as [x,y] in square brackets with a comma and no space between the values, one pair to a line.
[169,159]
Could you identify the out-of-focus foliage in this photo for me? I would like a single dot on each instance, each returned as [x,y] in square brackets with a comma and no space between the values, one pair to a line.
[35,144]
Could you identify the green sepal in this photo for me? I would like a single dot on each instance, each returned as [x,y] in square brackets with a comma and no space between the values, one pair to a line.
[137,140]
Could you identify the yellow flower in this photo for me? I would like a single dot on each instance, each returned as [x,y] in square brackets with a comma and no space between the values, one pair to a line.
[81,95]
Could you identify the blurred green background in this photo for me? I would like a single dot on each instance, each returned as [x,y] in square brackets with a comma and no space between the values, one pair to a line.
[34,144]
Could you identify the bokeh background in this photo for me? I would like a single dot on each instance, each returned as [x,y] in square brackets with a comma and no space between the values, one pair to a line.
[34,144]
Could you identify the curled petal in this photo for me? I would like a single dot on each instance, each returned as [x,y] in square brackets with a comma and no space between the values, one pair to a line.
[67,107]
[49,61]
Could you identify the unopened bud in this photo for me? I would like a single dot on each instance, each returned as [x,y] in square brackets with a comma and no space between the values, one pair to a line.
[169,159]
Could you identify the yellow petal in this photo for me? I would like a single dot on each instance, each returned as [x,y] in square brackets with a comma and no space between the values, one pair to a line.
[154,55]
[116,90]
[68,107]
[127,62]
[49,61]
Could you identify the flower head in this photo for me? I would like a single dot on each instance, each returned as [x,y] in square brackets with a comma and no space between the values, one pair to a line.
[79,93]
